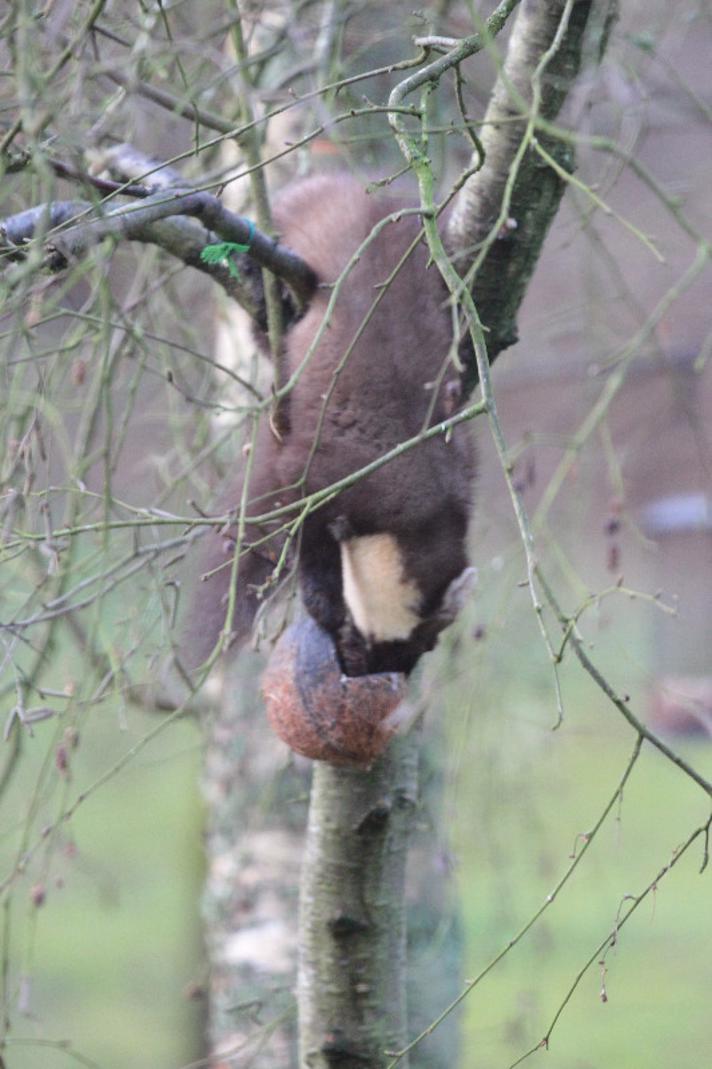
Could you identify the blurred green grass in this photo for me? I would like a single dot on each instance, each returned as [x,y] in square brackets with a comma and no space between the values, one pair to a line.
[111,954]
[519,795]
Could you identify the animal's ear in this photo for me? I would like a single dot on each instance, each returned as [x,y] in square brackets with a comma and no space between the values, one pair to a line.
[457,595]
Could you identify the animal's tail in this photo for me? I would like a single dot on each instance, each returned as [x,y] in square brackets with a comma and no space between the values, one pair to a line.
[215,570]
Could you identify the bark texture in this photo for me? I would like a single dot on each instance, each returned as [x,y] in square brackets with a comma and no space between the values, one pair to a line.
[352,963]
[509,241]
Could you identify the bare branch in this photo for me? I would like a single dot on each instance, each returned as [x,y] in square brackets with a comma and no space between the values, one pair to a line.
[154,221]
[184,107]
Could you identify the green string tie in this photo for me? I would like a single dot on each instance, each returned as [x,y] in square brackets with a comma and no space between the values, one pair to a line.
[223,252]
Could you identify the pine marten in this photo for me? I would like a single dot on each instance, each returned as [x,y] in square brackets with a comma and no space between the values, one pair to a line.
[375,563]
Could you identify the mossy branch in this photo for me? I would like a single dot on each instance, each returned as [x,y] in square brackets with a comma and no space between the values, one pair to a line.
[503,212]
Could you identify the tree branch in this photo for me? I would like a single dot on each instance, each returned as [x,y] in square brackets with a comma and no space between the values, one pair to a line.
[160,219]
[503,212]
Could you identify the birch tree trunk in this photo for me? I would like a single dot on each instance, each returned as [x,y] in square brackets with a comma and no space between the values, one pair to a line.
[352,948]
[256,802]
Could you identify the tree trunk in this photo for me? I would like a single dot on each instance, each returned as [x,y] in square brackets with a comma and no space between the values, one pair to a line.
[352,954]
[256,803]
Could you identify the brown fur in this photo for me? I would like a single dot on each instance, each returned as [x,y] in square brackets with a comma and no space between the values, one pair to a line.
[380,398]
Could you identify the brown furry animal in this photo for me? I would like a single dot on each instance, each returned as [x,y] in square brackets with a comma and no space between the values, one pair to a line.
[376,562]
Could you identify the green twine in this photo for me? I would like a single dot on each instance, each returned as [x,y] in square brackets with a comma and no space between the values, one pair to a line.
[223,252]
